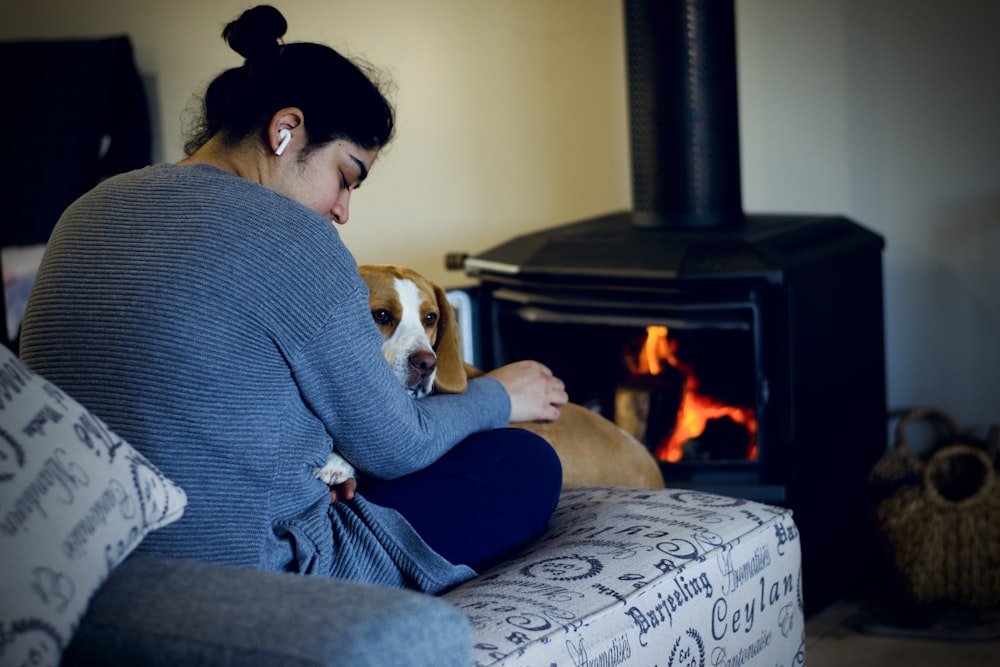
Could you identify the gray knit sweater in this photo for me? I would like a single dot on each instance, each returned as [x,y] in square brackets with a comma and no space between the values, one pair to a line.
[224,331]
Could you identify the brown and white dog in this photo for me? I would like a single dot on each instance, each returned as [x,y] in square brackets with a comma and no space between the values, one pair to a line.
[423,348]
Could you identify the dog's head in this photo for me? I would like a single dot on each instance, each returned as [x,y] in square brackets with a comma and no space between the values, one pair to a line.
[418,324]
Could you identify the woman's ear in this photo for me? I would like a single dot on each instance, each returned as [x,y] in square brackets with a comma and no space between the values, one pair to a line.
[451,377]
[287,127]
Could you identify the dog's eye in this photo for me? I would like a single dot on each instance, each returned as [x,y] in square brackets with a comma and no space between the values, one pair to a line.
[430,319]
[382,316]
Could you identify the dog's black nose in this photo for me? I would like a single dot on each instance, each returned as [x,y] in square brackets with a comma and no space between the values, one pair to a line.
[423,363]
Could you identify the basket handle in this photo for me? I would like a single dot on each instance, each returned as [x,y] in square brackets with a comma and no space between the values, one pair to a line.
[949,485]
[924,414]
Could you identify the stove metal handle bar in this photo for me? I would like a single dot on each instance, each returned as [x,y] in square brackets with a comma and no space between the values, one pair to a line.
[543,309]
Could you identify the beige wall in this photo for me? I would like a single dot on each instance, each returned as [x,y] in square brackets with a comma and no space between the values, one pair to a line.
[512,118]
[511,113]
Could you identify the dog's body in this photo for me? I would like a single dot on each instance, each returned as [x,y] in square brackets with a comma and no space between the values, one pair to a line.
[422,345]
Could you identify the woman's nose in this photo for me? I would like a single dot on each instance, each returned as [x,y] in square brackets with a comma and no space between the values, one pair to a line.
[341,208]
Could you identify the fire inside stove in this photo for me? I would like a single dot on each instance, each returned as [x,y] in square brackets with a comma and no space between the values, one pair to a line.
[684,378]
[705,427]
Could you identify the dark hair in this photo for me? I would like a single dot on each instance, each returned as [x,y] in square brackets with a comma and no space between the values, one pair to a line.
[339,99]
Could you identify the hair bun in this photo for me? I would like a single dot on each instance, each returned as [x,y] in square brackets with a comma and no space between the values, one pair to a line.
[256,32]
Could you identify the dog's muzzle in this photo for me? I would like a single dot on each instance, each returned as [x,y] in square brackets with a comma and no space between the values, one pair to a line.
[421,367]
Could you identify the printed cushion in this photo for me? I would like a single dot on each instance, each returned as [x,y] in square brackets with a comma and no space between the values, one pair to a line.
[646,577]
[75,500]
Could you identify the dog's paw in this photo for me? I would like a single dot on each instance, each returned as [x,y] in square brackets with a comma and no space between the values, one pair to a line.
[336,471]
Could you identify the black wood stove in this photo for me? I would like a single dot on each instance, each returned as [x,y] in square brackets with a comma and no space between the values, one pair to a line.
[746,351]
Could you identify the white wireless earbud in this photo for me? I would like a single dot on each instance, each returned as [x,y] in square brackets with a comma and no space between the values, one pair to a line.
[286,136]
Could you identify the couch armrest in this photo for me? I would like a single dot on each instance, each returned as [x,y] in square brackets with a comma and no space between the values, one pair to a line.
[160,611]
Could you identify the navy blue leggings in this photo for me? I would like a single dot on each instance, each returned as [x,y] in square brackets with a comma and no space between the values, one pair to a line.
[491,493]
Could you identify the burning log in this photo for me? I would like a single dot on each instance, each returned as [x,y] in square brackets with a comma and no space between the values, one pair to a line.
[644,402]
[662,407]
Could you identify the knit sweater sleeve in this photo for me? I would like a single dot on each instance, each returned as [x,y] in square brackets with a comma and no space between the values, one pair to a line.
[374,423]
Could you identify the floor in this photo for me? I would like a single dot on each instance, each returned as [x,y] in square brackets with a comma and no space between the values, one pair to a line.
[849,633]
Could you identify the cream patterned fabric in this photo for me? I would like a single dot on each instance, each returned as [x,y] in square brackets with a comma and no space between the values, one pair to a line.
[645,577]
[75,500]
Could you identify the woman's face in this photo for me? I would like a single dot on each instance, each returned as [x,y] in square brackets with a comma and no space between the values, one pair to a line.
[325,180]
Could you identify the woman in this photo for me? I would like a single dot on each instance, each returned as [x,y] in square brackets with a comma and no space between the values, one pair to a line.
[209,312]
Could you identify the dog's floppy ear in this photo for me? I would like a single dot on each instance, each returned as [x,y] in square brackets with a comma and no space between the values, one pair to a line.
[451,377]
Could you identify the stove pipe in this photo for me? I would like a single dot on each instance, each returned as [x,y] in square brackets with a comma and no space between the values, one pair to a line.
[683,110]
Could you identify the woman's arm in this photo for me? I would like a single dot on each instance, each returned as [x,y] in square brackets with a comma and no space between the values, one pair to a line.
[376,425]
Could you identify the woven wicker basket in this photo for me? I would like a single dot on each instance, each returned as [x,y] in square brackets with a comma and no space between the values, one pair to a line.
[941,521]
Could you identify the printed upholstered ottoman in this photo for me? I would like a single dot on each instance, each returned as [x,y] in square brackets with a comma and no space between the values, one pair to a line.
[645,577]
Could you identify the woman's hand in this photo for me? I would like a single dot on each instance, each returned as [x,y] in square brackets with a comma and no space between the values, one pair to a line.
[344,491]
[535,393]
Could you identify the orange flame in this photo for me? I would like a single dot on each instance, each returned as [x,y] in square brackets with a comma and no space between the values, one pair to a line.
[696,409]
